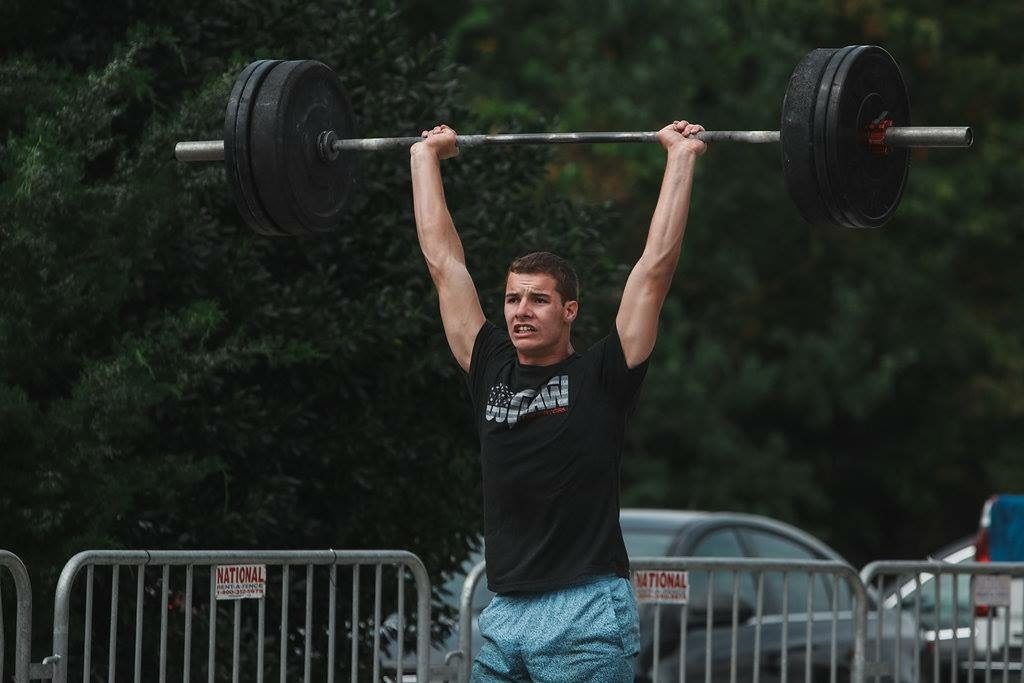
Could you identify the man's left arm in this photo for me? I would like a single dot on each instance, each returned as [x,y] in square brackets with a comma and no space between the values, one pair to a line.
[651,277]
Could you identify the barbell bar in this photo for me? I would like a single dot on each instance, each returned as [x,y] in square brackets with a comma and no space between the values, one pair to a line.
[845,138]
[905,136]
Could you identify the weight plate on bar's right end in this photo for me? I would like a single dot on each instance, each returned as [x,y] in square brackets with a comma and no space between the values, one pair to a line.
[797,137]
[867,87]
[237,147]
[303,191]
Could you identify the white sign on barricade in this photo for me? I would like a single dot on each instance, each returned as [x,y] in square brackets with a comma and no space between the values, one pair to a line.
[992,590]
[656,585]
[238,581]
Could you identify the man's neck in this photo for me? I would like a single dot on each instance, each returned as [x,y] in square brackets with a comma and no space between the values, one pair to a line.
[545,359]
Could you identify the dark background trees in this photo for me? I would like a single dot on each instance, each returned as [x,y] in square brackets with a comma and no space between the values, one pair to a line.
[172,380]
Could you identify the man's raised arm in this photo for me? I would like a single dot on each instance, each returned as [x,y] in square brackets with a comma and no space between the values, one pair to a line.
[649,281]
[461,313]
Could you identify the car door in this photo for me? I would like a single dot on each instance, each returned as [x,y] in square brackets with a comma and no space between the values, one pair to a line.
[721,542]
[791,602]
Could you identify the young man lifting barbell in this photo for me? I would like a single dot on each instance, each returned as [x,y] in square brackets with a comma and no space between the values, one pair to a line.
[551,422]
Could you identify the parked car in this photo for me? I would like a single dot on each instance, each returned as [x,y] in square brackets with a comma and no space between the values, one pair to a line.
[677,533]
[1001,539]
[945,625]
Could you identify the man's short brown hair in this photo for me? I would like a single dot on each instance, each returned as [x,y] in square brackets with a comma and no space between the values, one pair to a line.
[566,282]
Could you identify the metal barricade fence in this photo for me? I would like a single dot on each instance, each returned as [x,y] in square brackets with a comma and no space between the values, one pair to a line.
[23,618]
[384,633]
[810,621]
[967,619]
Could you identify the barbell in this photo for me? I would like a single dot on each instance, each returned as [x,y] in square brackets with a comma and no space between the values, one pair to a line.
[845,137]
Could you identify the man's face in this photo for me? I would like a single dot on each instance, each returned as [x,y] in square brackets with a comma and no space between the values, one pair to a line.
[538,320]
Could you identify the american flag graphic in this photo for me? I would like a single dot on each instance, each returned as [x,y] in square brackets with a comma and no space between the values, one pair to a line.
[500,396]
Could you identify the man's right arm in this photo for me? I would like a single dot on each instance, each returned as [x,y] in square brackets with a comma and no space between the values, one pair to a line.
[461,313]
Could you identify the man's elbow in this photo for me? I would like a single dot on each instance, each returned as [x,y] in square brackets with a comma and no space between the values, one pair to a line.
[444,269]
[658,268]
[653,280]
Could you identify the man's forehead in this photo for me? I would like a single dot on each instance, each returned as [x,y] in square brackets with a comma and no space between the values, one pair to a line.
[530,282]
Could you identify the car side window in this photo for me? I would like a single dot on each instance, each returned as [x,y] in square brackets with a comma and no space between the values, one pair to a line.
[720,543]
[768,545]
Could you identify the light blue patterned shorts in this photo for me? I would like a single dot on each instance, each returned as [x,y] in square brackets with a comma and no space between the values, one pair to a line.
[586,632]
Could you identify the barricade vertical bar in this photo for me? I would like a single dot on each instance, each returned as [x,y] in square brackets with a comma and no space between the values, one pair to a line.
[684,617]
[376,624]
[236,641]
[422,617]
[899,630]
[878,636]
[23,619]
[759,616]
[3,629]
[284,622]
[1006,645]
[988,644]
[974,625]
[112,650]
[332,621]
[3,645]
[956,627]
[309,624]
[261,619]
[211,654]
[164,608]
[784,665]
[401,622]
[186,671]
[735,625]
[138,623]
[355,622]
[860,630]
[87,645]
[657,640]
[835,624]
[938,623]
[710,622]
[809,627]
[917,626]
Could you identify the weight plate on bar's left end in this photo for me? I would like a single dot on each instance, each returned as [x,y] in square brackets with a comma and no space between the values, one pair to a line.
[237,146]
[866,186]
[302,192]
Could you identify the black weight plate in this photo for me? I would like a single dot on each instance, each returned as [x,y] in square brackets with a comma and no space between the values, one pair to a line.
[237,146]
[867,187]
[822,136]
[302,192]
[797,137]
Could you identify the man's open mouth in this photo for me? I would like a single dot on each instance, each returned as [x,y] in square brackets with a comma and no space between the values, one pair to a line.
[523,328]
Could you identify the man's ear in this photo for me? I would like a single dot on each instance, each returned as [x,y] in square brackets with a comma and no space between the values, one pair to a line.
[570,311]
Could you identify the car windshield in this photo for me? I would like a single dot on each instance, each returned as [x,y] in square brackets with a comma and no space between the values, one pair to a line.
[642,542]
[941,609]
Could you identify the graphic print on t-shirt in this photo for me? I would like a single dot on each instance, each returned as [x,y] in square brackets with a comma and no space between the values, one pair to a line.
[510,408]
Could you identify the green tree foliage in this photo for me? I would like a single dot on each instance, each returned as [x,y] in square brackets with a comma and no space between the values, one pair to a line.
[172,380]
[864,385]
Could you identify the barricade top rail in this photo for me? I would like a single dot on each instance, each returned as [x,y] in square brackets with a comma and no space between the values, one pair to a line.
[889,567]
[742,564]
[185,557]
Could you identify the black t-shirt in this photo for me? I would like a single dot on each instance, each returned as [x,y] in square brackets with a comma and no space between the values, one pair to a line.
[551,450]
